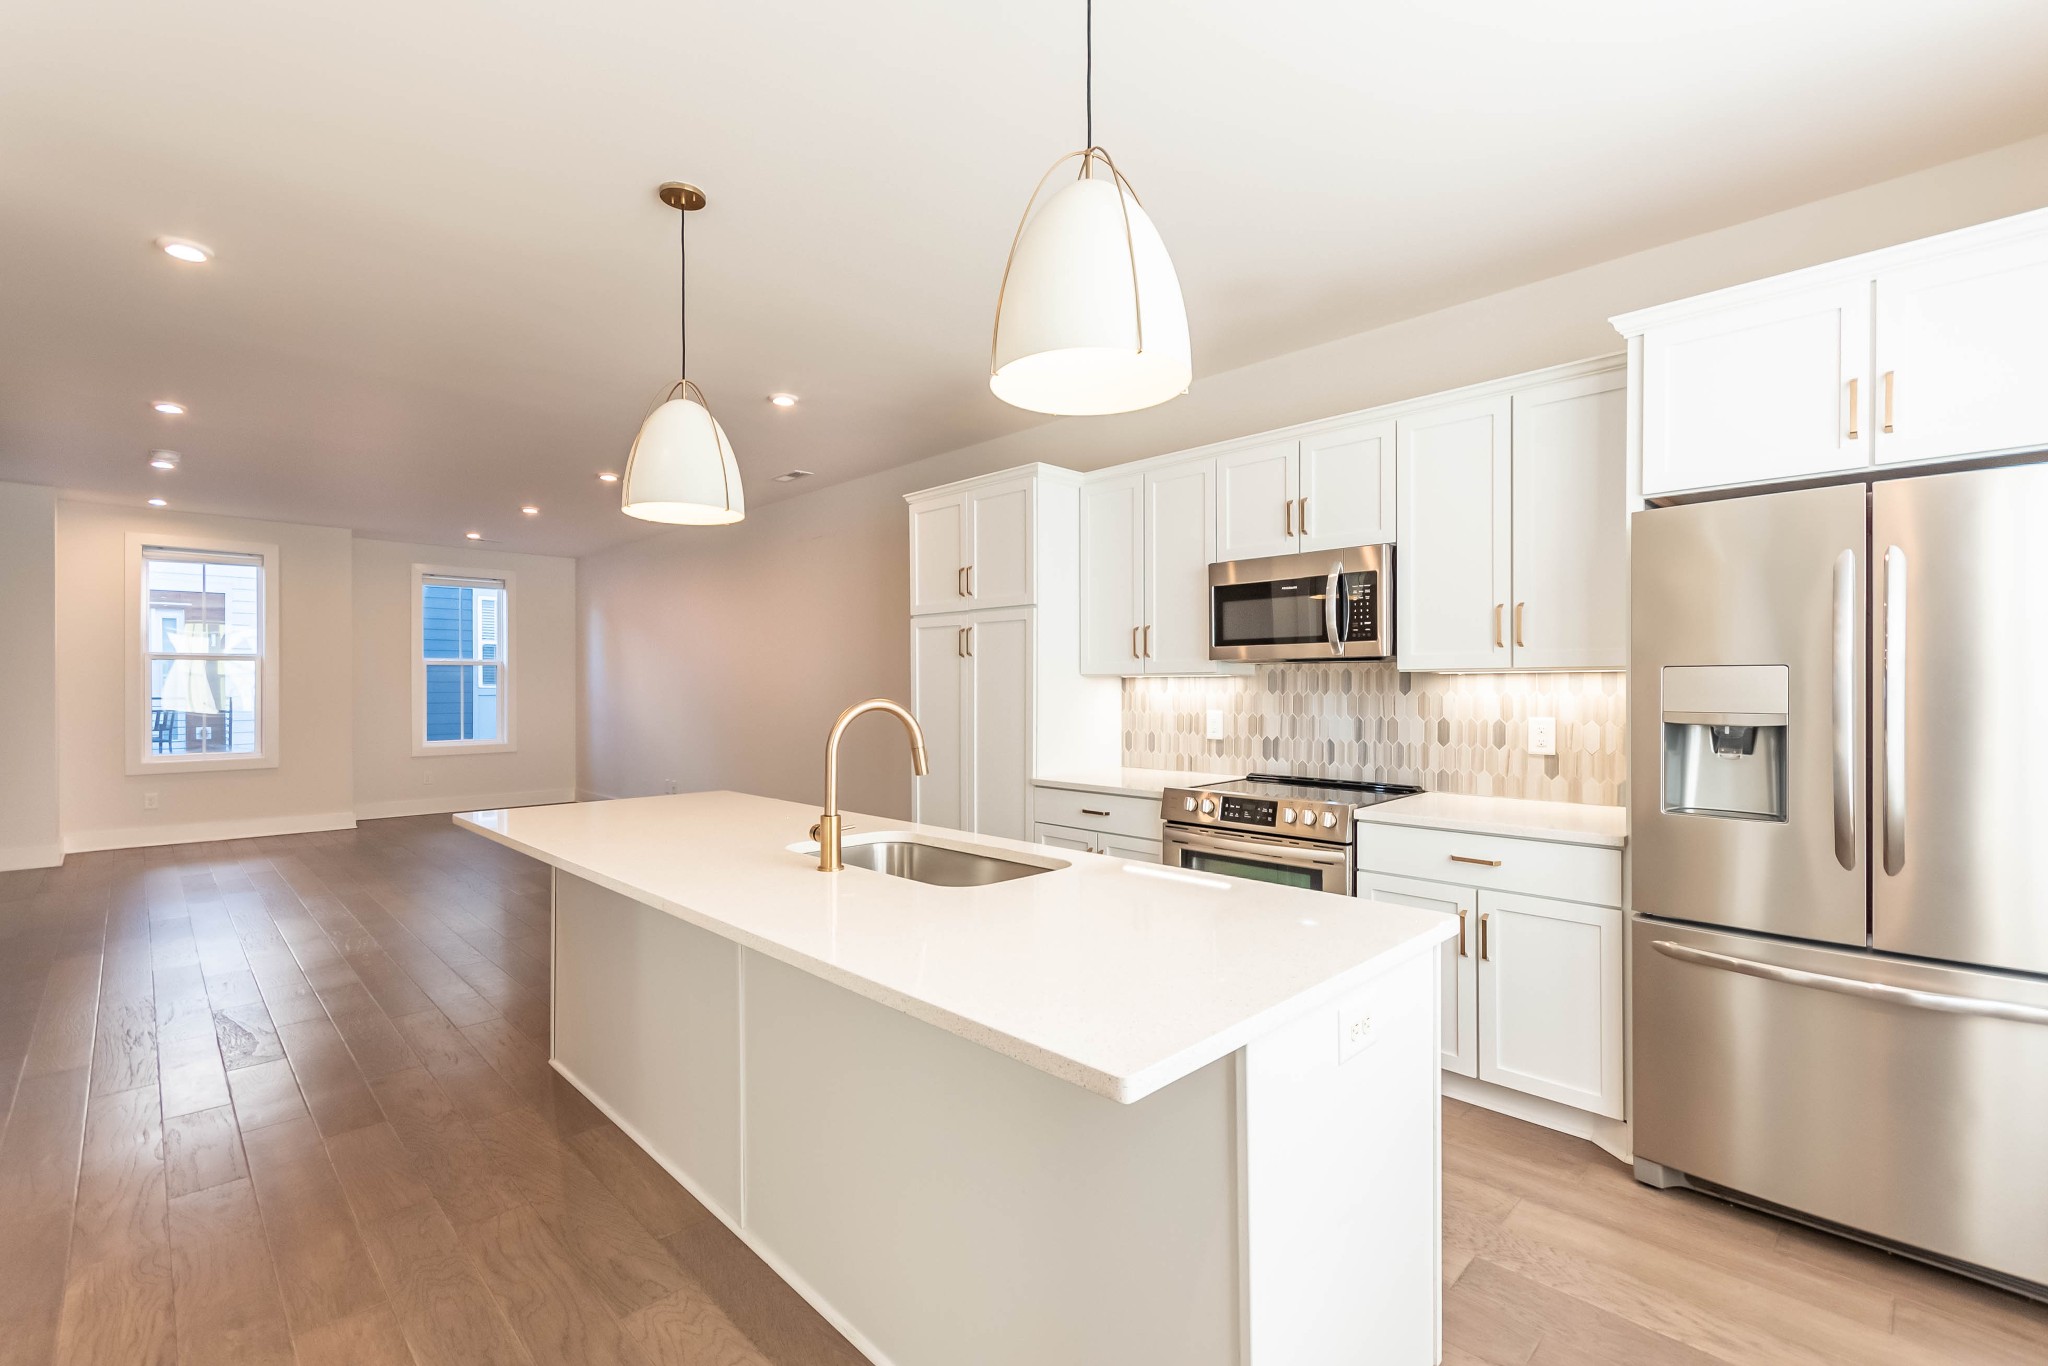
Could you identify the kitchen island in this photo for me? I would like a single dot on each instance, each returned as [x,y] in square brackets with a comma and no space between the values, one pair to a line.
[1104,1113]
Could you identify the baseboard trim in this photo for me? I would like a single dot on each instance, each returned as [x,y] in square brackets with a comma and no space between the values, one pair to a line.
[1611,1135]
[15,857]
[206,832]
[441,806]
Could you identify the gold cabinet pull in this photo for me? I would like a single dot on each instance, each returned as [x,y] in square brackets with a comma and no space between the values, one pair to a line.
[970,580]
[1134,644]
[1889,385]
[1854,409]
[960,642]
[1482,862]
[1288,505]
[1148,642]
[1091,811]
[1304,515]
[1499,610]
[1484,956]
[1461,934]
[1519,642]
[969,633]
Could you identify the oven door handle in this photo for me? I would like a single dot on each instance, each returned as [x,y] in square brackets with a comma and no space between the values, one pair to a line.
[1250,845]
[1330,630]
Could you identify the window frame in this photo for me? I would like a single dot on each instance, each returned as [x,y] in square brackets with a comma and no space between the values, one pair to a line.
[141,759]
[507,689]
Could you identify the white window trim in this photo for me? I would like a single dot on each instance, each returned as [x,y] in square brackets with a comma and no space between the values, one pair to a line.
[508,690]
[141,759]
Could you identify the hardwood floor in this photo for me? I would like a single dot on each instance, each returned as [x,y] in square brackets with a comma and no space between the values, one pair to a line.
[288,1100]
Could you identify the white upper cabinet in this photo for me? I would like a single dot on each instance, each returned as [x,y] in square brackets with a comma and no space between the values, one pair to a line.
[1257,502]
[973,548]
[1453,571]
[1774,389]
[1180,544]
[1571,524]
[1346,488]
[1113,575]
[1961,353]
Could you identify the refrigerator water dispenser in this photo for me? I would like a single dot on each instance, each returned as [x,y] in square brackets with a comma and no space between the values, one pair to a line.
[1724,740]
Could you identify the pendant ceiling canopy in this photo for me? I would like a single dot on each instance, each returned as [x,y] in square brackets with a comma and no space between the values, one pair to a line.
[1089,318]
[681,469]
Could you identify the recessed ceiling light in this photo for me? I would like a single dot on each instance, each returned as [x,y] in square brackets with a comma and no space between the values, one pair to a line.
[783,400]
[163,460]
[158,502]
[791,476]
[168,408]
[530,510]
[180,249]
[473,535]
[608,478]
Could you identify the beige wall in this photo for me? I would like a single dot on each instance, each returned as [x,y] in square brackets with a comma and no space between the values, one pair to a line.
[101,804]
[716,658]
[28,623]
[389,779]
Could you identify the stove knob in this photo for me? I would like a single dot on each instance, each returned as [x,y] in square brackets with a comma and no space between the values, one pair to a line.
[1329,820]
[1208,807]
[1189,802]
[1287,814]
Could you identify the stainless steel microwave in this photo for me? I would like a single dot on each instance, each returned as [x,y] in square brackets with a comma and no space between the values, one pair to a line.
[1328,604]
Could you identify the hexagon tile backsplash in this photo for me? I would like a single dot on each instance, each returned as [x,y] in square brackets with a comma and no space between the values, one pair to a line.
[1445,732]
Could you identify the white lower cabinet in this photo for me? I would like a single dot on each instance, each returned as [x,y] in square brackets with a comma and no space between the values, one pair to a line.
[1097,842]
[1124,824]
[1060,837]
[1532,985]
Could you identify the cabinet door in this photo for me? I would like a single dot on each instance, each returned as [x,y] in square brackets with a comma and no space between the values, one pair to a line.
[938,699]
[1459,998]
[1550,999]
[1063,837]
[938,546]
[1452,572]
[1180,543]
[1759,392]
[998,545]
[998,760]
[1113,576]
[1571,525]
[1124,847]
[1347,488]
[1255,508]
[1961,351]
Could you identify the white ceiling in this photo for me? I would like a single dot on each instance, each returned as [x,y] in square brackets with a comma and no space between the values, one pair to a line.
[444,286]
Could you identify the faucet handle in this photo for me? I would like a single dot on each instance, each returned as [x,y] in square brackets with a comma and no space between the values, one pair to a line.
[815,829]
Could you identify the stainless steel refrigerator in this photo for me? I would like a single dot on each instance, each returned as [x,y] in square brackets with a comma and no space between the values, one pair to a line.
[1839,836]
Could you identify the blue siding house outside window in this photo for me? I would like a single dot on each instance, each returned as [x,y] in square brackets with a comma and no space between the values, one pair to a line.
[462,635]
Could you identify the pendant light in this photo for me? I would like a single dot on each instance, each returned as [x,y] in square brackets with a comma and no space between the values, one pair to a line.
[681,468]
[1089,318]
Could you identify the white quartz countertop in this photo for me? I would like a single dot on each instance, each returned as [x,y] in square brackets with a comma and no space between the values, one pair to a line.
[1563,822]
[1120,978]
[1139,782]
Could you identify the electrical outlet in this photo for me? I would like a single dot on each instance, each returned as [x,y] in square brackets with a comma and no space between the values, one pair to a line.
[671,786]
[149,801]
[1215,727]
[1543,735]
[1357,1028]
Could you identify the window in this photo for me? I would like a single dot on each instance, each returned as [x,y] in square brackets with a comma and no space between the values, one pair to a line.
[462,672]
[204,667]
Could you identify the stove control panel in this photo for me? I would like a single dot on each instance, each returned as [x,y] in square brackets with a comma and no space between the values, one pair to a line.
[1250,811]
[1323,822]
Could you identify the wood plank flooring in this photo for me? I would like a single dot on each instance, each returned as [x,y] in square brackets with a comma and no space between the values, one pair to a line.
[287,1100]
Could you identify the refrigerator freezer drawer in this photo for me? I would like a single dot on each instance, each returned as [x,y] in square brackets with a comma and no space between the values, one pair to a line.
[1894,1097]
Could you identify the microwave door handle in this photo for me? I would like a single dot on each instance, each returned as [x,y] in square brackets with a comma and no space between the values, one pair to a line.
[1330,630]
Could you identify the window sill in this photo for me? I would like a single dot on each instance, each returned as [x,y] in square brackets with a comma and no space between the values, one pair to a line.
[429,749]
[198,763]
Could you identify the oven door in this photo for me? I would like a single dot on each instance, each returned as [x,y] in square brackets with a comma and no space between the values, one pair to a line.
[1260,858]
[1329,605]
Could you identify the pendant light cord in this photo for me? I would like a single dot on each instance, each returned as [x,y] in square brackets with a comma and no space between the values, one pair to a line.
[1088,78]
[682,295]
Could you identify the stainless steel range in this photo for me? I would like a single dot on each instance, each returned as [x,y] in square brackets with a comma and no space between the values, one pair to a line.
[1298,832]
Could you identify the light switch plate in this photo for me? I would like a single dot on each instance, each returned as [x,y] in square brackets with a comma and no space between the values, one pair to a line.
[1357,1028]
[1215,728]
[1543,735]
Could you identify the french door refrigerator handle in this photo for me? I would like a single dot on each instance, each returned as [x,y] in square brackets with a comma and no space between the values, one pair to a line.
[1939,1001]
[1894,710]
[1845,709]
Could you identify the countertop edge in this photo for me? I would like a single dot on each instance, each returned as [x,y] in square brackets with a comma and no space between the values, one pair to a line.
[1529,830]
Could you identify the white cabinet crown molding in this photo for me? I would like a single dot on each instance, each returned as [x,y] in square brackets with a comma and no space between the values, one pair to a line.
[1862,266]
[1050,473]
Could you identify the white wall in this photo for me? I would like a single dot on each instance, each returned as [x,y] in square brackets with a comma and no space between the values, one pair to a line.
[28,666]
[718,657]
[101,804]
[389,779]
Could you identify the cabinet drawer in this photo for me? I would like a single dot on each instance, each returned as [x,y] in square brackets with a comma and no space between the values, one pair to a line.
[1571,872]
[1132,816]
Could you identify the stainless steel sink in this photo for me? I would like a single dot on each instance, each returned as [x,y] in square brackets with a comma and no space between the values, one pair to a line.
[936,864]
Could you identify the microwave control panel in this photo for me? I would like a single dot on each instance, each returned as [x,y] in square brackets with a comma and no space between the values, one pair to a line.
[1361,606]
[1250,811]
